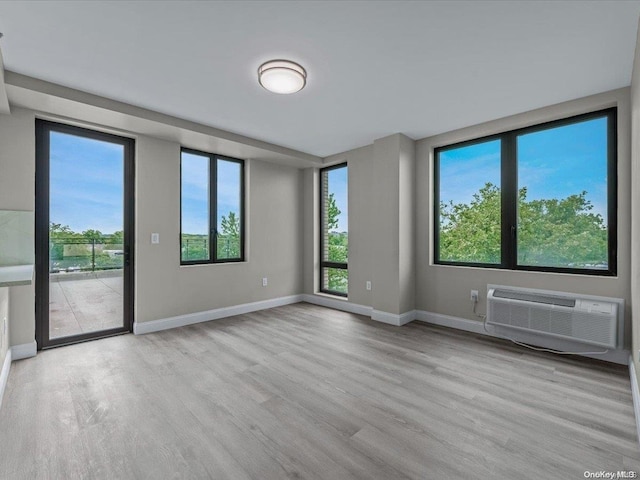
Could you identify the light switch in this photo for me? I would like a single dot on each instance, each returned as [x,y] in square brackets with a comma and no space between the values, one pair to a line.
[155,238]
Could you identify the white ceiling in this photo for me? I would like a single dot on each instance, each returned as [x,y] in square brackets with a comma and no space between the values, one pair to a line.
[374,68]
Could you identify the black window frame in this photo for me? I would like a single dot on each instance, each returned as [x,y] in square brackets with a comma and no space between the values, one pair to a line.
[323,263]
[43,130]
[213,208]
[509,195]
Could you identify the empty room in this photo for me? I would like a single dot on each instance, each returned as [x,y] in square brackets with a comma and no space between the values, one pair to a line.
[319,239]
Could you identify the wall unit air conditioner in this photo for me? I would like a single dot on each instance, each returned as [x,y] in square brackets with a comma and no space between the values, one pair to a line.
[587,319]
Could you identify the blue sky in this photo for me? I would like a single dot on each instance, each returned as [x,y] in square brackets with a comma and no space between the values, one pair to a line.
[87,186]
[195,192]
[87,176]
[552,163]
[338,180]
[86,183]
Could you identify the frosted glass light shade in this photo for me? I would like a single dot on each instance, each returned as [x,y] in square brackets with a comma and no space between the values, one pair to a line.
[282,76]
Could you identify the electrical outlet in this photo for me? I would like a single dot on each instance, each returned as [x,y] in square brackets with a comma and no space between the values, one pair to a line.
[474,295]
[264,281]
[155,238]
[368,285]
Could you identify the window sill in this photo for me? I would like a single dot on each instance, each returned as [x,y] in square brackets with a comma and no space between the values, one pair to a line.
[212,264]
[525,272]
[331,296]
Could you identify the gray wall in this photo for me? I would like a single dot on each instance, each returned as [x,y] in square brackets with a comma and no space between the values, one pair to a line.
[282,226]
[381,225]
[381,219]
[164,288]
[4,316]
[362,222]
[406,223]
[635,206]
[17,192]
[445,289]
[274,243]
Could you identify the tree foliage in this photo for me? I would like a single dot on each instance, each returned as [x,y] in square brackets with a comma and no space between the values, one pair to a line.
[561,232]
[333,212]
[551,232]
[229,237]
[196,247]
[337,248]
[88,250]
[230,225]
[471,232]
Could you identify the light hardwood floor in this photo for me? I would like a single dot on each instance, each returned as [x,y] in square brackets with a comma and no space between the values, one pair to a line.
[307,392]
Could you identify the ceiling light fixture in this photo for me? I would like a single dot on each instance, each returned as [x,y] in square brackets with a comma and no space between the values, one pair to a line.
[282,76]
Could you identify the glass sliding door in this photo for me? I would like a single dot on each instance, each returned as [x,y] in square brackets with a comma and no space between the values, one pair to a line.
[84,227]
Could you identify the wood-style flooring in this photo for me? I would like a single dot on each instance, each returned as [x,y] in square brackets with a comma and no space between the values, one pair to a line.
[307,392]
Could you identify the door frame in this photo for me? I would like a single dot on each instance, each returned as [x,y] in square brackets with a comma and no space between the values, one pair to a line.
[42,217]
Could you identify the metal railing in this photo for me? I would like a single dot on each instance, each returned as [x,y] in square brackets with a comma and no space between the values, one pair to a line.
[198,248]
[85,255]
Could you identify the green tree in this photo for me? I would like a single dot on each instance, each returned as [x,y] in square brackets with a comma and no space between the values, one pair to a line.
[471,233]
[229,236]
[230,225]
[337,248]
[195,247]
[561,232]
[57,230]
[92,234]
[58,235]
[116,238]
[551,232]
[333,212]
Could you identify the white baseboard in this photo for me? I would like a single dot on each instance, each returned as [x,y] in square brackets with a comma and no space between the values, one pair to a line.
[450,321]
[26,350]
[4,376]
[615,356]
[216,314]
[392,318]
[346,306]
[635,393]
[337,303]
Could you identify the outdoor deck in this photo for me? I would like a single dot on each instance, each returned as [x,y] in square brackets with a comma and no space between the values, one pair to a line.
[81,303]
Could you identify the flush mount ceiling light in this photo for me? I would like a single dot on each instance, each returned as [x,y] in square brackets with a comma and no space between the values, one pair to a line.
[282,76]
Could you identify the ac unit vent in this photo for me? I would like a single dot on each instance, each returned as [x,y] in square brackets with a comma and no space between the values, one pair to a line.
[537,298]
[589,320]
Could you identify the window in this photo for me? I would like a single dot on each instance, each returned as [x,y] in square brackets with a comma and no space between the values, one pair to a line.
[540,198]
[334,230]
[212,208]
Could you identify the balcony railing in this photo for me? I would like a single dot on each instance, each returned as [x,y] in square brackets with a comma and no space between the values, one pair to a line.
[198,248]
[85,255]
